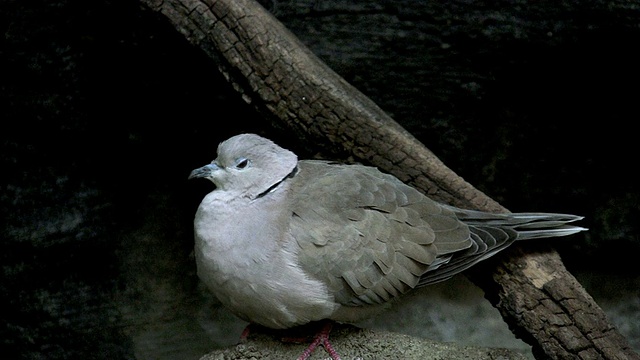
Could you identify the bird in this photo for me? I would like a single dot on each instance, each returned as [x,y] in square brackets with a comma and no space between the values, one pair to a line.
[283,242]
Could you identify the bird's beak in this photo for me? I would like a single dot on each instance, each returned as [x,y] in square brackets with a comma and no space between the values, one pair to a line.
[204,172]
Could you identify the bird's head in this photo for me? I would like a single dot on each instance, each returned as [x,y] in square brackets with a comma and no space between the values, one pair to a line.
[248,165]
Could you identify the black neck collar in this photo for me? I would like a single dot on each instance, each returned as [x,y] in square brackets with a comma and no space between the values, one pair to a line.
[274,186]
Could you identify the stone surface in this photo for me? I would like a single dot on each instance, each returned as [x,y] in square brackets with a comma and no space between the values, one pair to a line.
[354,343]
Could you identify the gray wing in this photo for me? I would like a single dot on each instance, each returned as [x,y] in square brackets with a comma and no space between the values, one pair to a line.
[366,234]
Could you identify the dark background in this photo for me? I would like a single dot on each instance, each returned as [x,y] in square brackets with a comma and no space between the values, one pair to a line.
[105,109]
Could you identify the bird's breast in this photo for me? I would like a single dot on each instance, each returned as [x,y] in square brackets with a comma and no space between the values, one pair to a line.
[248,260]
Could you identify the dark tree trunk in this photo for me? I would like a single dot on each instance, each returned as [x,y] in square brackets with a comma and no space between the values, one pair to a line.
[282,78]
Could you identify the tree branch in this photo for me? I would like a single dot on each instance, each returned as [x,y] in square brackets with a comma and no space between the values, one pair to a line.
[543,303]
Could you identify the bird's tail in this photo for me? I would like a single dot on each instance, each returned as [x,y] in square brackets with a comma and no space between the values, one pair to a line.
[492,233]
[527,225]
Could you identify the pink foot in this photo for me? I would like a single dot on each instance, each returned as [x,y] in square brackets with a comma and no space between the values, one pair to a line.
[245,333]
[322,337]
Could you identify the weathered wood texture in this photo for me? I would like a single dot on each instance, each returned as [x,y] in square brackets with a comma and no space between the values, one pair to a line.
[281,77]
[274,71]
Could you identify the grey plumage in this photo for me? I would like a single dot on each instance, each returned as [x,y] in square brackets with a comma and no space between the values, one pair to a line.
[282,242]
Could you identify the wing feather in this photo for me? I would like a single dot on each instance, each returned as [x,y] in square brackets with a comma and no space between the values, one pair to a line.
[375,239]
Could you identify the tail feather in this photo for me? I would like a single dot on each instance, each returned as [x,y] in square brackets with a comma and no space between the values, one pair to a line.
[526,225]
[549,232]
[544,224]
[492,233]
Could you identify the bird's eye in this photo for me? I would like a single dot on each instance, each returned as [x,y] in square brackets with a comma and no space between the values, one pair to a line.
[242,163]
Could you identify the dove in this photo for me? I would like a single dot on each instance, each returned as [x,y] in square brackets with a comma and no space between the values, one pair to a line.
[283,242]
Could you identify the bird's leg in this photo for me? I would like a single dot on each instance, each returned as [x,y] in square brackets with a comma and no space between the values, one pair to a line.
[321,337]
[245,333]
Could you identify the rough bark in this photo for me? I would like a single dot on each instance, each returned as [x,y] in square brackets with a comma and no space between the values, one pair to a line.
[274,71]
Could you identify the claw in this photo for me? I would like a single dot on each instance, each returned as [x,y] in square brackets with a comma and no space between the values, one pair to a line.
[322,337]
